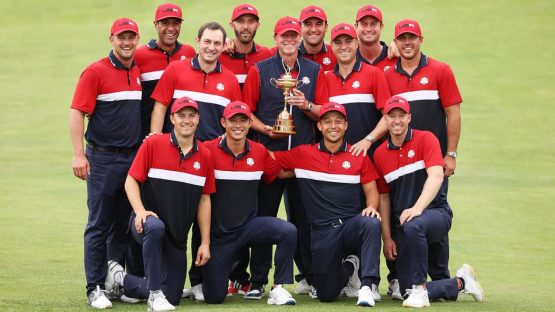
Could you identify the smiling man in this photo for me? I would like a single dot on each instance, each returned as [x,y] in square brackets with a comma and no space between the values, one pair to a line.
[109,94]
[314,25]
[157,54]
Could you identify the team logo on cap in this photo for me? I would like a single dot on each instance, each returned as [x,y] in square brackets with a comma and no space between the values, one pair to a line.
[346,164]
[220,87]
[250,161]
[370,9]
[386,68]
[126,23]
[312,11]
[407,25]
[356,84]
[306,80]
[411,154]
[170,10]
[424,80]
[196,165]
[326,61]
[246,8]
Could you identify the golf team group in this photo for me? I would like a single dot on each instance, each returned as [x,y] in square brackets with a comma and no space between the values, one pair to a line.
[357,137]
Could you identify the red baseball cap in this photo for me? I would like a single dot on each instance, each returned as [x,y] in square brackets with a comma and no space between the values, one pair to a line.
[396,102]
[168,10]
[313,11]
[124,24]
[407,26]
[183,102]
[369,10]
[286,24]
[236,107]
[243,9]
[343,29]
[332,106]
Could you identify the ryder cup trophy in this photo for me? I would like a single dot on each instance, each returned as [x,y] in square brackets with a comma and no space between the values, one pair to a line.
[284,121]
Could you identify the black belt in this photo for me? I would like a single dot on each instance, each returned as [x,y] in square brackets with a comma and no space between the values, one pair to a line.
[331,225]
[112,149]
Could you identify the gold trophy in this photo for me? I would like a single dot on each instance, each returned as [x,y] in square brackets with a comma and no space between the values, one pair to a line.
[284,121]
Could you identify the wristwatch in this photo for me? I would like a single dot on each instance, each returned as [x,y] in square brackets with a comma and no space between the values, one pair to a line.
[370,138]
[452,154]
[308,107]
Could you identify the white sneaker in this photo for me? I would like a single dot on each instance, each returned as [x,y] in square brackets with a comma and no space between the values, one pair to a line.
[186,293]
[157,302]
[471,285]
[280,296]
[302,287]
[98,300]
[375,293]
[353,285]
[418,297]
[394,291]
[313,293]
[196,293]
[110,283]
[365,297]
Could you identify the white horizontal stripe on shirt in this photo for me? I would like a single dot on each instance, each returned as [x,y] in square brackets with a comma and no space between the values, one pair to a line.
[327,177]
[120,96]
[238,175]
[394,175]
[155,75]
[353,98]
[202,97]
[420,95]
[176,176]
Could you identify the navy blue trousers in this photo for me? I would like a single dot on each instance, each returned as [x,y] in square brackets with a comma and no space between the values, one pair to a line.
[330,245]
[259,231]
[165,263]
[413,240]
[269,199]
[106,235]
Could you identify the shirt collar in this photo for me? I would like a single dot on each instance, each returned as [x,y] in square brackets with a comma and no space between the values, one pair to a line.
[380,57]
[223,145]
[423,62]
[356,68]
[277,59]
[116,63]
[196,65]
[238,55]
[390,144]
[302,49]
[152,45]
[173,140]
[322,147]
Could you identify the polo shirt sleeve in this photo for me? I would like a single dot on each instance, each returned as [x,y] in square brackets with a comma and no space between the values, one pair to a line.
[271,168]
[86,91]
[287,159]
[448,90]
[189,51]
[251,88]
[321,95]
[431,150]
[382,186]
[237,96]
[381,89]
[165,88]
[142,162]
[210,183]
[368,172]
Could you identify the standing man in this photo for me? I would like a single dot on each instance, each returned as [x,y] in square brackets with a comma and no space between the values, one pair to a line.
[434,98]
[177,175]
[266,101]
[314,25]
[240,165]
[201,78]
[157,54]
[330,179]
[212,86]
[369,25]
[410,164]
[246,53]
[360,87]
[109,94]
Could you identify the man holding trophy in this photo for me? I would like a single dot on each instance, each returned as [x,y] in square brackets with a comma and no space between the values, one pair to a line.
[286,79]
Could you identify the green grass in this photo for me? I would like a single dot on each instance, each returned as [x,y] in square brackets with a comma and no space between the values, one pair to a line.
[502,54]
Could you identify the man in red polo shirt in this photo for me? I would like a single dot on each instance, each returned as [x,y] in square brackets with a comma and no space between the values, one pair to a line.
[245,52]
[414,204]
[109,94]
[157,54]
[314,25]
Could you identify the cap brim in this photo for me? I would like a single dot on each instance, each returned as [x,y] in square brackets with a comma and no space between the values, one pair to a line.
[124,30]
[409,32]
[164,17]
[283,31]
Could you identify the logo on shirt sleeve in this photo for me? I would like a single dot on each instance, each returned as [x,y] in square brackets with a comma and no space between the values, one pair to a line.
[326,61]
[220,86]
[386,68]
[346,164]
[196,165]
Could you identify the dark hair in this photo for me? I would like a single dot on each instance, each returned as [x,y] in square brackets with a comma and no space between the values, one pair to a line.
[211,26]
